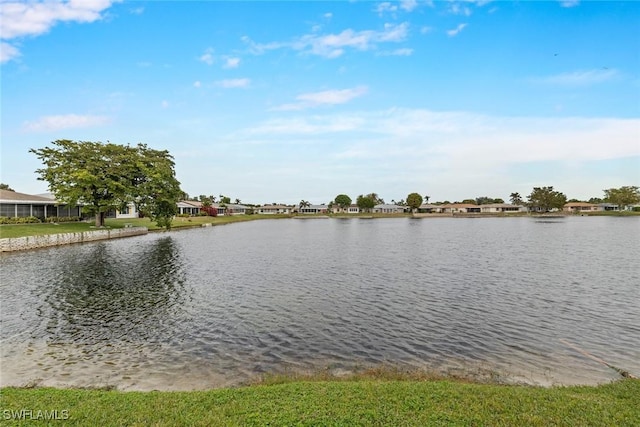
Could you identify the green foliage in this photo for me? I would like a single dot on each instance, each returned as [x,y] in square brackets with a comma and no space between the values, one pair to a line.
[365,203]
[515,199]
[377,200]
[546,198]
[623,196]
[4,186]
[343,201]
[469,201]
[101,177]
[414,200]
[19,220]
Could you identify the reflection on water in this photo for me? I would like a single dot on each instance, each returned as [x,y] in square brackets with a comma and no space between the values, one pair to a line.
[216,307]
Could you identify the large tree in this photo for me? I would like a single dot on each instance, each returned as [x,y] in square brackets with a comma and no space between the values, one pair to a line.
[365,203]
[343,201]
[414,200]
[546,198]
[623,196]
[515,198]
[102,177]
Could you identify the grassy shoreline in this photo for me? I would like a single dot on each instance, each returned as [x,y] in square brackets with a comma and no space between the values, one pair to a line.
[351,402]
[24,230]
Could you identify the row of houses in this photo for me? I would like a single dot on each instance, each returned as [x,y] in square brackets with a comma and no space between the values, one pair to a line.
[14,204]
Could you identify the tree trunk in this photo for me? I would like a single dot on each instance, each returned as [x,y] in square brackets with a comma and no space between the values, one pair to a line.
[100,219]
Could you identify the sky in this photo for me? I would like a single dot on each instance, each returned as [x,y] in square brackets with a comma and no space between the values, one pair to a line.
[276,102]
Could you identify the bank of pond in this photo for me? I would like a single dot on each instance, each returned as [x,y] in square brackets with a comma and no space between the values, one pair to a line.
[320,402]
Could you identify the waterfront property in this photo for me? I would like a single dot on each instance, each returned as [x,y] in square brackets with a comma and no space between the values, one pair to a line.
[189,207]
[275,209]
[388,209]
[14,204]
[502,208]
[351,209]
[314,209]
[581,207]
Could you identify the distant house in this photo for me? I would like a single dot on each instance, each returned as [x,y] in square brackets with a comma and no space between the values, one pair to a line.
[501,208]
[459,208]
[352,209]
[129,211]
[275,209]
[189,207]
[389,209]
[576,207]
[14,204]
[608,207]
[230,209]
[314,209]
[428,208]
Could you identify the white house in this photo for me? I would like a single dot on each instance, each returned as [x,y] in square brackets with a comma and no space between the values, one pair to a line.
[314,209]
[352,209]
[392,209]
[275,209]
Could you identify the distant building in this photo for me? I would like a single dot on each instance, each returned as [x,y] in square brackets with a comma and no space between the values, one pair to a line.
[14,204]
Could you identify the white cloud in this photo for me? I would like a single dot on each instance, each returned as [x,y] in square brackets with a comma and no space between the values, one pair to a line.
[33,18]
[197,83]
[327,97]
[581,78]
[137,11]
[207,56]
[67,121]
[335,45]
[8,52]
[459,9]
[456,31]
[232,62]
[405,51]
[164,104]
[569,3]
[470,140]
[408,5]
[234,83]
[328,15]
[385,7]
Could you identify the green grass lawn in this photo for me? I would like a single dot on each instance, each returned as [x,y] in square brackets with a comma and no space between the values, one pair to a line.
[22,230]
[338,403]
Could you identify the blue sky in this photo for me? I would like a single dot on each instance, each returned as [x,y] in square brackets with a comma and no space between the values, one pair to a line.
[282,101]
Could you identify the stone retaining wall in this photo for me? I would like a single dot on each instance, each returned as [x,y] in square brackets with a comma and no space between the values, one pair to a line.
[34,242]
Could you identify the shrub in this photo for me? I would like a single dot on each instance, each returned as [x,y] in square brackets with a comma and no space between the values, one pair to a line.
[19,220]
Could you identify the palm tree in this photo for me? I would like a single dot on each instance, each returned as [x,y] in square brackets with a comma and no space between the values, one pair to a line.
[237,201]
[515,198]
[304,204]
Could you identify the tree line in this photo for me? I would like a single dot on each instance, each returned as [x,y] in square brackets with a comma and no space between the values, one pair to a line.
[103,176]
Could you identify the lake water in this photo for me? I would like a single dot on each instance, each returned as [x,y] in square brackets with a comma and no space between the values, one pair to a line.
[220,306]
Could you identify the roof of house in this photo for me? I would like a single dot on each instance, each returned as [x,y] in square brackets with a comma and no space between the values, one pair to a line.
[189,204]
[15,197]
[459,205]
[231,206]
[500,205]
[275,207]
[577,204]
[386,206]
